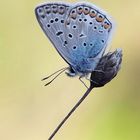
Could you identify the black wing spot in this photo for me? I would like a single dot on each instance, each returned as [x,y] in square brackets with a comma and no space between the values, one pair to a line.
[74,47]
[65,43]
[43,16]
[80,8]
[47,9]
[80,19]
[73,12]
[106,23]
[93,12]
[85,20]
[54,8]
[52,21]
[100,16]
[70,35]
[56,19]
[91,44]
[59,33]
[95,27]
[74,27]
[48,12]
[68,23]
[48,25]
[101,31]
[81,35]
[91,23]
[61,8]
[103,41]
[62,21]
[40,10]
[85,44]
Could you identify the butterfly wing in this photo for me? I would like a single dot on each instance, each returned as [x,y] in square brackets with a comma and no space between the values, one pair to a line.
[94,28]
[52,19]
[79,32]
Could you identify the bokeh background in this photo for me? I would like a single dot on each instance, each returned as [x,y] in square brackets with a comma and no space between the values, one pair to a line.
[30,111]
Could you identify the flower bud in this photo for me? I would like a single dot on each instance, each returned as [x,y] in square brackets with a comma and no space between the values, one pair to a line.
[107,69]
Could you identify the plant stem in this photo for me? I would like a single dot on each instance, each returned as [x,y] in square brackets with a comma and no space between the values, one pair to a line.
[70,113]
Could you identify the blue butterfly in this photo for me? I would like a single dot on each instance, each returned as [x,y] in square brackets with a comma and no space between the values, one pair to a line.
[80,33]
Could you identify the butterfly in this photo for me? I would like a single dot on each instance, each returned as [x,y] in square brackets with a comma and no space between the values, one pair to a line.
[79,32]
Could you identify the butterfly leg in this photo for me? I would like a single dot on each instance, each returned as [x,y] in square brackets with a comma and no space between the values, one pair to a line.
[80,78]
[87,78]
[90,80]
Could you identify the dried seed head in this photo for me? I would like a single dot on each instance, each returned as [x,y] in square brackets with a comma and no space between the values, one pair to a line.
[107,68]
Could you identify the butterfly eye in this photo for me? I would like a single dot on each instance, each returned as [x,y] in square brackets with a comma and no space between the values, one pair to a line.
[80,9]
[86,10]
[61,10]
[99,18]
[93,13]
[54,8]
[47,9]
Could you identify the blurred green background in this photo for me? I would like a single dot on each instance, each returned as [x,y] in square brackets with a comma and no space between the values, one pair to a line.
[30,111]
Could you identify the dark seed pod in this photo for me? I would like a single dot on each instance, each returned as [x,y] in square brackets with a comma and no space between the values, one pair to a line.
[107,68]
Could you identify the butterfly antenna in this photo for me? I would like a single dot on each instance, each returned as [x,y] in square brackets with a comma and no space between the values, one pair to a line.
[53,74]
[60,72]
